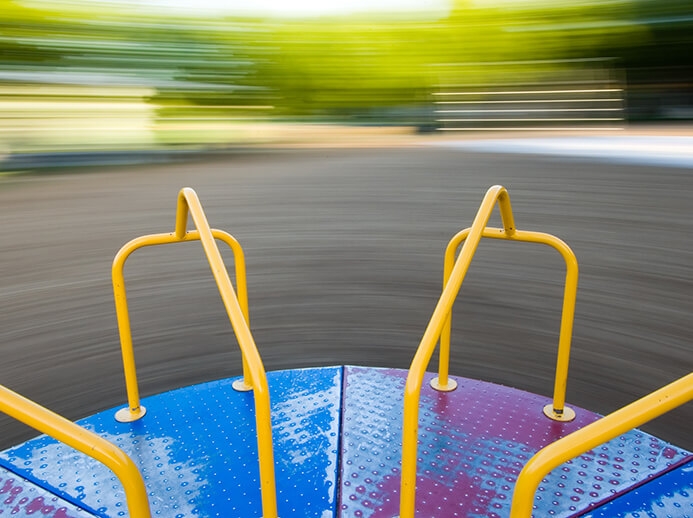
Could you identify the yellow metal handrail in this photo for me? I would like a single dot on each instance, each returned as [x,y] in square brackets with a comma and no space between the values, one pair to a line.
[439,327]
[135,410]
[237,310]
[50,423]
[557,411]
[631,416]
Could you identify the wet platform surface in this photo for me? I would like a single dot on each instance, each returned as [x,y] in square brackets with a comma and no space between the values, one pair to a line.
[473,442]
[337,435]
[20,498]
[197,451]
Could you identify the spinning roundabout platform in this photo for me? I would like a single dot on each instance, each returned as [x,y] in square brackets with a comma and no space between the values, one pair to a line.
[337,433]
[347,441]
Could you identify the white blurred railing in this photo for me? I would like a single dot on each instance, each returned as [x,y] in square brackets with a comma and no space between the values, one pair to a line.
[533,95]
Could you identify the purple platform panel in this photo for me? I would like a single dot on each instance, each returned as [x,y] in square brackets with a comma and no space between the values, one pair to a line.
[20,498]
[473,442]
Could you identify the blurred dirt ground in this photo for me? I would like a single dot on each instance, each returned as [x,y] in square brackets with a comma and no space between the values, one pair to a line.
[344,253]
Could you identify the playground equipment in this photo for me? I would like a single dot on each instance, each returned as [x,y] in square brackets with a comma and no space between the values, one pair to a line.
[347,440]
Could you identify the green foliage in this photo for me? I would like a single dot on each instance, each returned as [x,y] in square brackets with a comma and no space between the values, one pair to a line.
[347,67]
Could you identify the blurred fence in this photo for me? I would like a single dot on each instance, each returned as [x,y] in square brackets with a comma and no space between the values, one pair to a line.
[530,95]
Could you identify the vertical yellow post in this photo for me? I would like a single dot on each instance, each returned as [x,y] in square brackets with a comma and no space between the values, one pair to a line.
[443,382]
[134,411]
[558,411]
[241,285]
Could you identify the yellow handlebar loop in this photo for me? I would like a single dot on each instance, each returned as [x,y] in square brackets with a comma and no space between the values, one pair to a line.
[439,326]
[65,431]
[236,309]
[567,314]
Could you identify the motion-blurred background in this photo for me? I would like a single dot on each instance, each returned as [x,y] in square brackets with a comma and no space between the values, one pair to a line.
[125,75]
[344,246]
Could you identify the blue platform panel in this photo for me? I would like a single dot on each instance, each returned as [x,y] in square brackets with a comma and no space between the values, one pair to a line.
[197,450]
[667,496]
[473,442]
[337,439]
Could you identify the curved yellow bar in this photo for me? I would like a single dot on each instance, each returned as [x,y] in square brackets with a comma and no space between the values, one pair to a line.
[123,315]
[567,315]
[631,416]
[237,310]
[50,423]
[439,326]
[412,390]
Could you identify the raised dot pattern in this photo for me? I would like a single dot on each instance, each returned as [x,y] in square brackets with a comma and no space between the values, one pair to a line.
[473,442]
[197,451]
[22,499]
[667,496]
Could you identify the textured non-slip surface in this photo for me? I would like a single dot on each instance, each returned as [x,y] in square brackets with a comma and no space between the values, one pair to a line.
[668,496]
[20,498]
[197,450]
[337,438]
[473,442]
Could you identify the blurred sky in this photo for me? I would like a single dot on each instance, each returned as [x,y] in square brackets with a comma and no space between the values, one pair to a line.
[284,8]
